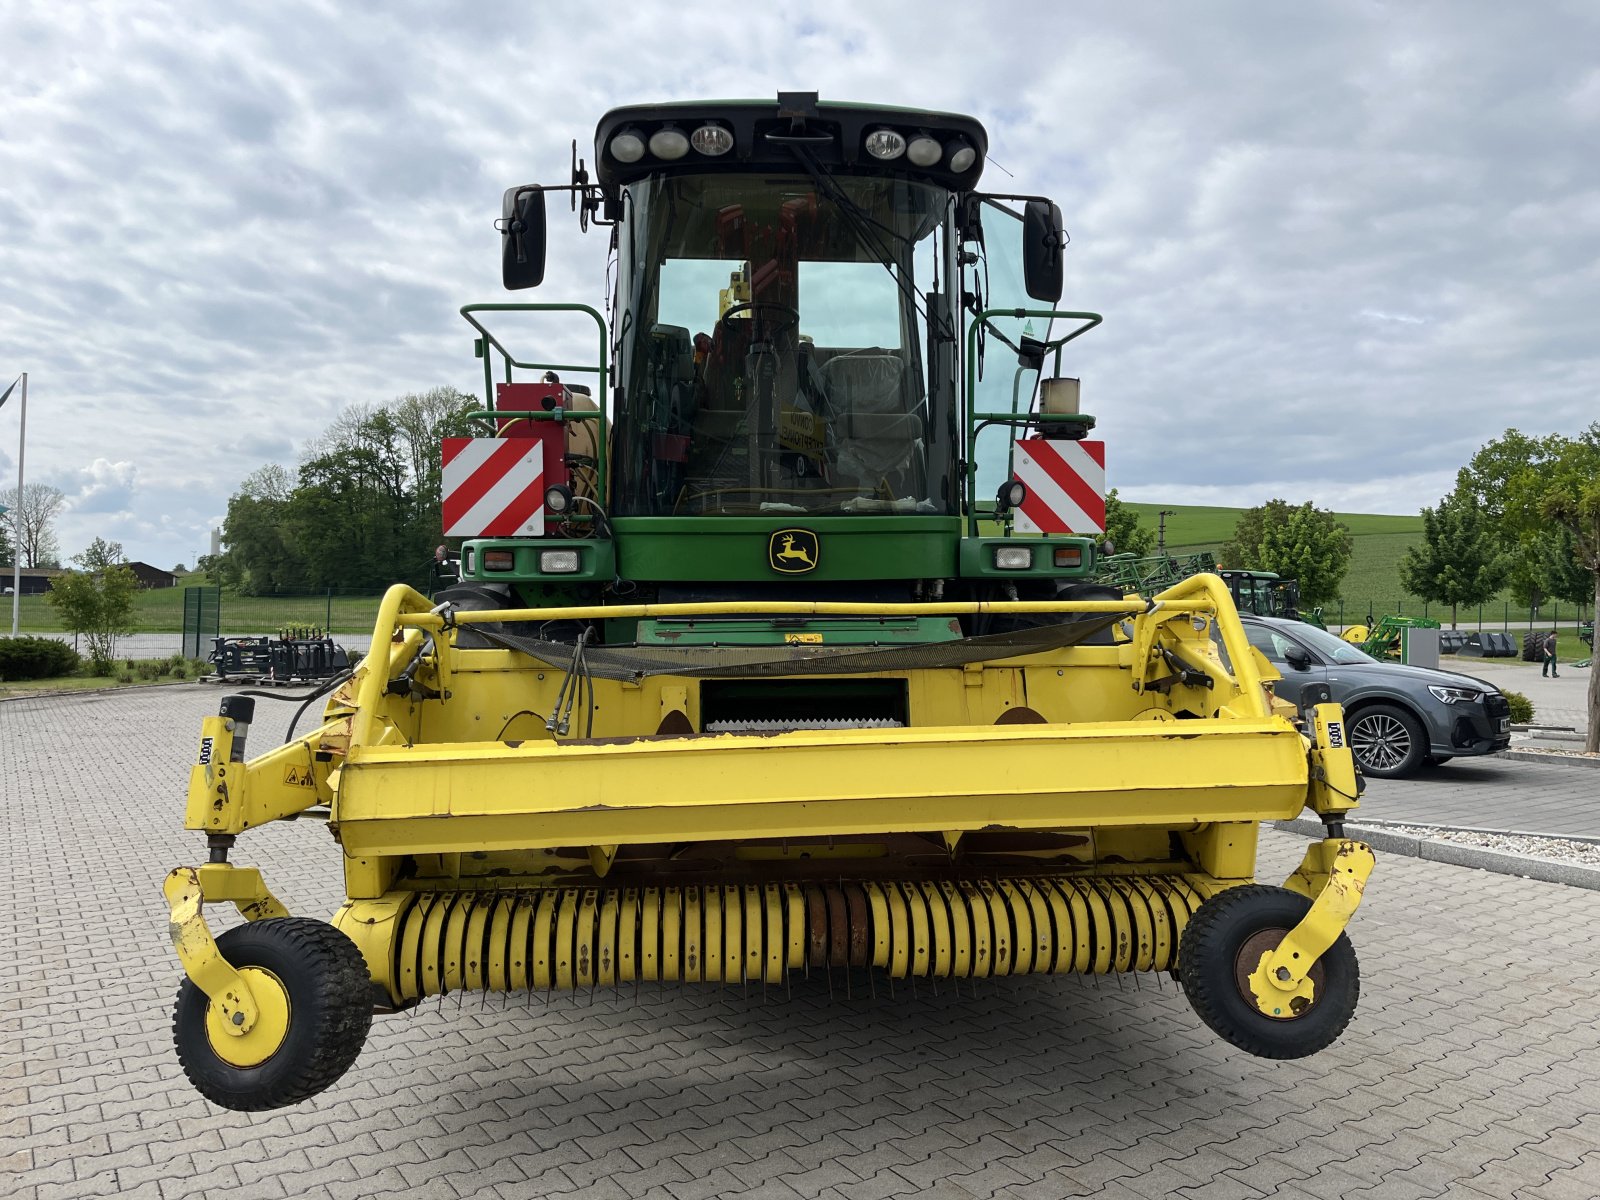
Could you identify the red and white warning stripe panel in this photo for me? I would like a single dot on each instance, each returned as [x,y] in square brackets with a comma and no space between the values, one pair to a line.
[493,487]
[1066,484]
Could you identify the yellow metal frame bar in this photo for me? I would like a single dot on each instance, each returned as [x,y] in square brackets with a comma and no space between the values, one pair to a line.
[186,890]
[1342,866]
[1334,785]
[478,795]
[405,611]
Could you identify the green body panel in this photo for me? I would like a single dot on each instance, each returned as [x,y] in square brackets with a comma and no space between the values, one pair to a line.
[977,558]
[734,549]
[831,631]
[596,560]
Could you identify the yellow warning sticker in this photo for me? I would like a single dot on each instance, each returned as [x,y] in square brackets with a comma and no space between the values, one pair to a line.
[298,777]
[801,639]
[802,431]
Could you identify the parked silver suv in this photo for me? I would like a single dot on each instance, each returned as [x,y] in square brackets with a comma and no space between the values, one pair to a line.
[1398,716]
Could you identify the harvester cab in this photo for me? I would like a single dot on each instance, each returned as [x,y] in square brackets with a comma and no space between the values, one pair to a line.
[775,646]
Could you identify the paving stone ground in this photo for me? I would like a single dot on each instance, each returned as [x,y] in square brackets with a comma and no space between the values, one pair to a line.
[1470,1070]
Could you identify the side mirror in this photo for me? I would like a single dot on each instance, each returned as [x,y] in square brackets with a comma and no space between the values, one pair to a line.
[521,228]
[1297,658]
[1042,260]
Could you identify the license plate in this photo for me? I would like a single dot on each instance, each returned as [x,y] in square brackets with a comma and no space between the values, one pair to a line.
[1505,724]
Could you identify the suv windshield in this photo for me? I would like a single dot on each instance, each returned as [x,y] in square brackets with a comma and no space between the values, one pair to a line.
[1332,648]
[772,353]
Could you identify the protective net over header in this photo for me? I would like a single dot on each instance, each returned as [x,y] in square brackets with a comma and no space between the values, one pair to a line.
[633,662]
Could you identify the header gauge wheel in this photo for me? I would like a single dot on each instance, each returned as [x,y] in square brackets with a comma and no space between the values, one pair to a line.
[314,997]
[1225,944]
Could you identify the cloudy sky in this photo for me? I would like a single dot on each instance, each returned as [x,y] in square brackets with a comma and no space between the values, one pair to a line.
[1338,246]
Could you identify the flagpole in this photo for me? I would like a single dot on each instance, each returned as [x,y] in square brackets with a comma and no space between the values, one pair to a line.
[16,522]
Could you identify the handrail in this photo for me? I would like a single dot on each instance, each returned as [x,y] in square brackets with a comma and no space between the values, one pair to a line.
[1220,600]
[777,608]
[977,420]
[369,696]
[403,608]
[514,363]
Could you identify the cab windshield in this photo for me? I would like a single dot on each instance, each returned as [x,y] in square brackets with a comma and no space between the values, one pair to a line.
[772,352]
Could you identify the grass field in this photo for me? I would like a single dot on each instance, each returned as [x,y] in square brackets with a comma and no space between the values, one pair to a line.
[160,610]
[1373,581]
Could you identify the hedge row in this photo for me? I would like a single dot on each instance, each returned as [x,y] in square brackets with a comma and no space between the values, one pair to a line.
[36,658]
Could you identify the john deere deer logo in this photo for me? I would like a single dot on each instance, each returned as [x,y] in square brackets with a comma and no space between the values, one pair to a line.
[792,551]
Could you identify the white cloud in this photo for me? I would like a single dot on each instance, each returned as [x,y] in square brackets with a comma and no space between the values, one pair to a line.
[104,487]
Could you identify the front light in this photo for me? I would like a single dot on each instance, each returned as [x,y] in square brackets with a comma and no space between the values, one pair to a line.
[558,562]
[627,146]
[669,143]
[885,144]
[962,156]
[498,560]
[1454,695]
[924,151]
[1069,556]
[558,498]
[1010,495]
[711,140]
[1013,558]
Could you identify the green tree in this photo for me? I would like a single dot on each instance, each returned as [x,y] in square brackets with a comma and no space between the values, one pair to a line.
[96,601]
[1126,533]
[260,557]
[1487,477]
[1544,567]
[423,420]
[1460,560]
[1300,542]
[363,510]
[352,514]
[1558,487]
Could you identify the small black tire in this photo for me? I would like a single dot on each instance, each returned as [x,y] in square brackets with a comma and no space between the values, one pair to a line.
[1387,741]
[325,999]
[1237,924]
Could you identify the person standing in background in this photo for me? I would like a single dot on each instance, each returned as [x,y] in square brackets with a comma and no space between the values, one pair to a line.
[1549,667]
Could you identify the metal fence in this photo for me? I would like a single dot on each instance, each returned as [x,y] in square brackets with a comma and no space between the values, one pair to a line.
[1502,615]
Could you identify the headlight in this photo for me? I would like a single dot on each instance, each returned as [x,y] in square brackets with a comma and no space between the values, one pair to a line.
[1454,695]
[669,143]
[711,140]
[558,562]
[627,145]
[924,151]
[885,144]
[1013,558]
[558,498]
[962,155]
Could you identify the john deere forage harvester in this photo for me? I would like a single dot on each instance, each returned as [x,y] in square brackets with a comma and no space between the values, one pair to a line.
[771,652]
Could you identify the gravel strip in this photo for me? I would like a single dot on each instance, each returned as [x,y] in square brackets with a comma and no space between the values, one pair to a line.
[1553,848]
